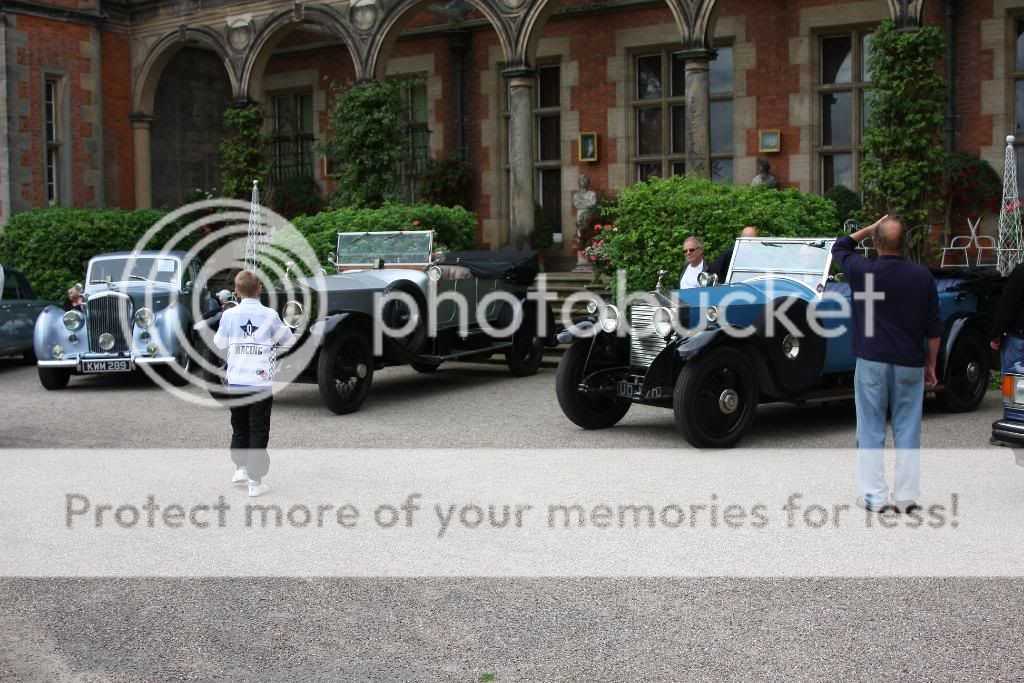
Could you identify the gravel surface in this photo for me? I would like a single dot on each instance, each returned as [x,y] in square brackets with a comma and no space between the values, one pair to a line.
[462,629]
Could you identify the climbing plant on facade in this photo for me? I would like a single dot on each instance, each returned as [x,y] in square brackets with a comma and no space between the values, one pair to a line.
[366,139]
[243,151]
[903,165]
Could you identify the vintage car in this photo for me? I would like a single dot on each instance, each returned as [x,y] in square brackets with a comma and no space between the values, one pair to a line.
[136,309]
[714,353]
[394,278]
[18,312]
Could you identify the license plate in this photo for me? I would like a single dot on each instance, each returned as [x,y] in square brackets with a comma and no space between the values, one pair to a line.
[626,389]
[93,366]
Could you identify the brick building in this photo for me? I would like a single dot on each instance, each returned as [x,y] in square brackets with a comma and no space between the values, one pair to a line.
[119,102]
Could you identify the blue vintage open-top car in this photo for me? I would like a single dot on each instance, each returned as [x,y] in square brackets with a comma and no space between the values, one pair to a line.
[136,307]
[778,329]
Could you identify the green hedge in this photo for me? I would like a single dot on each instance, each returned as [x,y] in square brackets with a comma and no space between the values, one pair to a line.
[454,228]
[652,219]
[53,246]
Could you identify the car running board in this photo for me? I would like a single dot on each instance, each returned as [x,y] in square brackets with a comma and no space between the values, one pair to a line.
[469,352]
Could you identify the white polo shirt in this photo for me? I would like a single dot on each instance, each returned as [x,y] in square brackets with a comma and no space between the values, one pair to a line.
[251,332]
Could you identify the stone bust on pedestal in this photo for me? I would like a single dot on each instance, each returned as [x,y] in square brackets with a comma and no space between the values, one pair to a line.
[584,200]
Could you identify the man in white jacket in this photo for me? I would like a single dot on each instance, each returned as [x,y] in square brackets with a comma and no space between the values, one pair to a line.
[251,333]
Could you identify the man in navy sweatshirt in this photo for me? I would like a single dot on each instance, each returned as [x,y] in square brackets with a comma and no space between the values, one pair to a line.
[896,330]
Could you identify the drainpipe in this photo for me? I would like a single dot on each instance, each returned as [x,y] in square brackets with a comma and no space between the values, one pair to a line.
[949,12]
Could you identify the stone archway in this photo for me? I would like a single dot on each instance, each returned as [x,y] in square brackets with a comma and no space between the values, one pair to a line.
[280,24]
[157,58]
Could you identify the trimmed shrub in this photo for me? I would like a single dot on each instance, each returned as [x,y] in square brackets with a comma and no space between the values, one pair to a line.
[848,204]
[454,228]
[53,246]
[653,218]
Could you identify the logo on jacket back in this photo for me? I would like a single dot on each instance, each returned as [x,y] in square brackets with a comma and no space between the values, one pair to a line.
[248,328]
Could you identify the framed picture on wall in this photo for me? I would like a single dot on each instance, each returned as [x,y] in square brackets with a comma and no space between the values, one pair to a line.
[588,146]
[769,140]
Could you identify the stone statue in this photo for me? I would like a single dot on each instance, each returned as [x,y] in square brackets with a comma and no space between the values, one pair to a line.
[584,200]
[764,176]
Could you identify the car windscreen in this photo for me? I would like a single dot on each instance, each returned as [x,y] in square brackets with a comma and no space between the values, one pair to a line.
[804,260]
[139,269]
[363,248]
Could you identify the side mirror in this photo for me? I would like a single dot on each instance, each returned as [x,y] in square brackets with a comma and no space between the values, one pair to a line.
[332,259]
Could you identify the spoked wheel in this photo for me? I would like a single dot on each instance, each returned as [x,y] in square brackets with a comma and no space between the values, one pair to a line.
[527,351]
[967,373]
[587,411]
[715,399]
[345,371]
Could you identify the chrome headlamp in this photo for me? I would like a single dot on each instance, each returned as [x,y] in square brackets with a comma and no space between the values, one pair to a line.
[591,307]
[665,321]
[144,317]
[73,320]
[293,312]
[610,319]
[712,314]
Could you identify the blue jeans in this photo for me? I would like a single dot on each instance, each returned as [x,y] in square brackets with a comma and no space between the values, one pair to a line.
[1012,355]
[879,387]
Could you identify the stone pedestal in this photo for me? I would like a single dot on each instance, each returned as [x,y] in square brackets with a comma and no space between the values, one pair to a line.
[520,132]
[698,135]
[141,145]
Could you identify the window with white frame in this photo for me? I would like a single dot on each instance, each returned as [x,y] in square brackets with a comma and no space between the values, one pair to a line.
[659,114]
[843,107]
[52,131]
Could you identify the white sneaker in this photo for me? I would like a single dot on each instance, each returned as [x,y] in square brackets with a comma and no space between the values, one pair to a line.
[875,507]
[241,476]
[257,489]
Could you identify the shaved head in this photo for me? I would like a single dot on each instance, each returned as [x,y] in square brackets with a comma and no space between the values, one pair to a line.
[749,231]
[889,236]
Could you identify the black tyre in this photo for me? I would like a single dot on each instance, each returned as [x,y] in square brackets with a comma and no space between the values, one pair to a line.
[426,368]
[527,351]
[715,398]
[177,375]
[589,412]
[967,374]
[54,378]
[345,371]
[29,356]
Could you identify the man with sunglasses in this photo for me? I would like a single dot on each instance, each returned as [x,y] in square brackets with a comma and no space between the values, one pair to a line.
[693,250]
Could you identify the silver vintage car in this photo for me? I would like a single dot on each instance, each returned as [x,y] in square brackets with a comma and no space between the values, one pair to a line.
[135,313]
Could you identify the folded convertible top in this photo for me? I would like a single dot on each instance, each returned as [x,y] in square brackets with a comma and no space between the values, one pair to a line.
[515,266]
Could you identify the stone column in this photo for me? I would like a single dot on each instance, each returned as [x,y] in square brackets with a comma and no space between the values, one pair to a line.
[698,133]
[520,145]
[141,146]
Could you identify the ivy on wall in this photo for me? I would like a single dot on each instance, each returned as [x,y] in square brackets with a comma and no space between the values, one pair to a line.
[242,156]
[903,166]
[367,139]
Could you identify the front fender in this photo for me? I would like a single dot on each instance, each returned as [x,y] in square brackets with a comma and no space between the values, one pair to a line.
[49,331]
[169,325]
[322,330]
[956,325]
[692,347]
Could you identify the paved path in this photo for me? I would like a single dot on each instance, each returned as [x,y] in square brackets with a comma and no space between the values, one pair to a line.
[460,629]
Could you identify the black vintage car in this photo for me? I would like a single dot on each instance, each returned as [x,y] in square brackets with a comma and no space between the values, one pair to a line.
[465,306]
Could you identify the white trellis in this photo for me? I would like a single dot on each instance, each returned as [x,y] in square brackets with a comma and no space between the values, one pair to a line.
[1011,240]
[257,238]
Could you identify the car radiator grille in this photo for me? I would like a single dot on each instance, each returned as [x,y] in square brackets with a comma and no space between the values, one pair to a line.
[644,343]
[109,313]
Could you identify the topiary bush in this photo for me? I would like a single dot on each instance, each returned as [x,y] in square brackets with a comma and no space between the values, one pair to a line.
[53,246]
[652,219]
[454,228]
